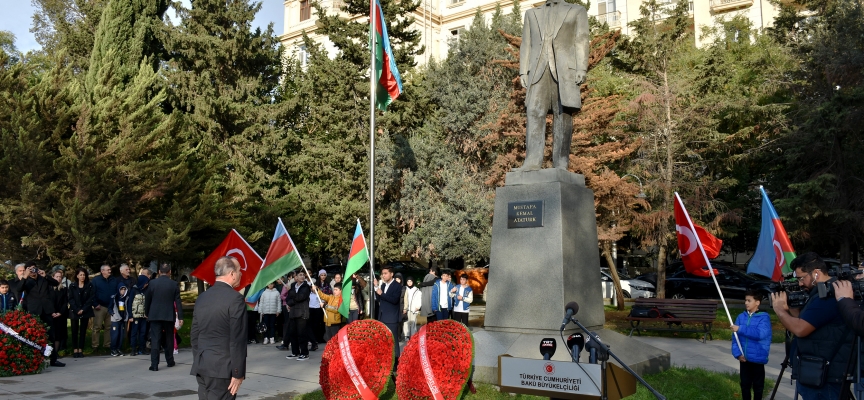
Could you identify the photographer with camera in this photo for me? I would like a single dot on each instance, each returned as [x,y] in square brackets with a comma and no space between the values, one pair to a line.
[823,343]
[847,304]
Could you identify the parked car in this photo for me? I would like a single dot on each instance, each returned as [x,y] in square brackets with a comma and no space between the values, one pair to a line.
[630,287]
[733,283]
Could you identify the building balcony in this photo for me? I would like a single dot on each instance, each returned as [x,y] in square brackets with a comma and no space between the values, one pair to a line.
[727,5]
[613,19]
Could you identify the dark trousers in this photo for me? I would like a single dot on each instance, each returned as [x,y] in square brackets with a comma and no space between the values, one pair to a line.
[61,332]
[332,330]
[213,388]
[442,314]
[79,332]
[286,331]
[752,376]
[138,335]
[48,320]
[394,330]
[542,97]
[353,315]
[461,317]
[159,331]
[252,320]
[118,333]
[316,322]
[431,318]
[299,338]
[270,322]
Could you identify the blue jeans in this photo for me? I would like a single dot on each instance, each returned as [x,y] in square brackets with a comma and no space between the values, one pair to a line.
[138,339]
[441,315]
[118,332]
[831,391]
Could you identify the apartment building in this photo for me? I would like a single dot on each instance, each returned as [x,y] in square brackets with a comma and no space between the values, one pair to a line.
[441,21]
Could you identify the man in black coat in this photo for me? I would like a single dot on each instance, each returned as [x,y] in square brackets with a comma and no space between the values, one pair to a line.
[39,301]
[163,294]
[16,284]
[389,294]
[297,300]
[219,335]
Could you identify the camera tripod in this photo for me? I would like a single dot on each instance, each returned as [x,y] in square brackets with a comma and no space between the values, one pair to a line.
[787,342]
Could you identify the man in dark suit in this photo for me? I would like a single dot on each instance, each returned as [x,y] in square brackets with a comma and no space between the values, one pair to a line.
[38,289]
[553,61]
[389,293]
[219,335]
[297,301]
[163,294]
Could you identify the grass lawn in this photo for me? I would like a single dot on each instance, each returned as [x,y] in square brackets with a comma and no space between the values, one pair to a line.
[676,383]
[616,321]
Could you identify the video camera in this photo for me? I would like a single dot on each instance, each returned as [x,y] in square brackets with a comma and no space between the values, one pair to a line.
[842,272]
[796,296]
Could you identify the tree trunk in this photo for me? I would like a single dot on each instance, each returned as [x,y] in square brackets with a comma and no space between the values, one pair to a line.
[661,272]
[607,254]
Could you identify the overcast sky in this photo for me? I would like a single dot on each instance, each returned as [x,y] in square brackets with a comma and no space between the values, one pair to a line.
[17,17]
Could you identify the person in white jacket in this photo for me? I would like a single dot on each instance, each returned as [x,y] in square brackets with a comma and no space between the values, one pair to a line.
[269,307]
[413,302]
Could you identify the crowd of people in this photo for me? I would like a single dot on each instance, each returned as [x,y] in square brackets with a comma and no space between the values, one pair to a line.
[306,310]
[141,312]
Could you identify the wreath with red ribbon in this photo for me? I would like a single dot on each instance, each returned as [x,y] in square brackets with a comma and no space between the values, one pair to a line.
[16,357]
[436,363]
[356,363]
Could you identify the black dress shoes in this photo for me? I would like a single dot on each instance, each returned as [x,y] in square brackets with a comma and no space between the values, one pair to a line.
[171,364]
[57,364]
[154,368]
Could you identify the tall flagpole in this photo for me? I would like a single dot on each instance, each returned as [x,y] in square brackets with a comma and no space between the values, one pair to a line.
[372,48]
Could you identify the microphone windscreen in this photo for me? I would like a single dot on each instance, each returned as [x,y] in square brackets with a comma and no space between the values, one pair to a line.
[572,306]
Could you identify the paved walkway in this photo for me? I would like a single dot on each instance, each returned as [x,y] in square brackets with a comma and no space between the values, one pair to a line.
[270,376]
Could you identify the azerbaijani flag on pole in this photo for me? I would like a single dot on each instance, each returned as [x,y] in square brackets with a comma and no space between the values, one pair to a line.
[281,258]
[774,252]
[358,256]
[389,82]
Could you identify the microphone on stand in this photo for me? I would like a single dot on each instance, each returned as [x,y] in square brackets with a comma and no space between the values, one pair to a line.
[547,348]
[576,342]
[571,309]
[596,349]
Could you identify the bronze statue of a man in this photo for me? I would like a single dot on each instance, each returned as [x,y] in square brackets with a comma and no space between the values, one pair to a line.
[553,61]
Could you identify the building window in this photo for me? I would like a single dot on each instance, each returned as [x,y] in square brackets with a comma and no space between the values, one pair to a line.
[605,6]
[303,55]
[305,10]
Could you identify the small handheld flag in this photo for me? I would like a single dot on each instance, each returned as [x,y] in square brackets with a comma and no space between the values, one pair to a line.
[358,256]
[774,252]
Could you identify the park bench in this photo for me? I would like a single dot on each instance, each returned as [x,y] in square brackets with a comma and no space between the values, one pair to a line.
[702,313]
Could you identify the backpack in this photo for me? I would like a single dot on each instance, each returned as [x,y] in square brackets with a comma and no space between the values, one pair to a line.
[644,312]
[138,306]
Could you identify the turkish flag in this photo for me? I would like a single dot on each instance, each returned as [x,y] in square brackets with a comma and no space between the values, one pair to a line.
[690,238]
[235,246]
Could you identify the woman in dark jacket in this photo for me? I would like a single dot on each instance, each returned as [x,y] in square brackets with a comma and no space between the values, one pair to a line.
[398,277]
[82,296]
[61,312]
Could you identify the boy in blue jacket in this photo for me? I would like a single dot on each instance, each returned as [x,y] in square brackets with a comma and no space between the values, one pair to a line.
[754,332]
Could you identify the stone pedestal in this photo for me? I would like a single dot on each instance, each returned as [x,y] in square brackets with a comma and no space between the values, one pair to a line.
[544,254]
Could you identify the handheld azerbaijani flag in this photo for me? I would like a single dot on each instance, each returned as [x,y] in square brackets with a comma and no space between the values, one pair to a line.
[389,81]
[774,252]
[281,258]
[358,256]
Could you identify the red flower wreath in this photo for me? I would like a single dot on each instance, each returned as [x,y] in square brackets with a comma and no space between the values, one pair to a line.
[17,358]
[371,345]
[449,350]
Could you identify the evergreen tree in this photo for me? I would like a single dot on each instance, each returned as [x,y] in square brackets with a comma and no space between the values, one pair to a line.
[223,77]
[67,28]
[124,191]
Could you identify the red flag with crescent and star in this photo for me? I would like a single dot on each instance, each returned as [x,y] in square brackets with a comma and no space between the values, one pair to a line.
[235,246]
[696,245]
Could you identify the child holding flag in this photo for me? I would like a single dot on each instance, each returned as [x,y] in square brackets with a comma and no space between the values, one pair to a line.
[754,330]
[331,303]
